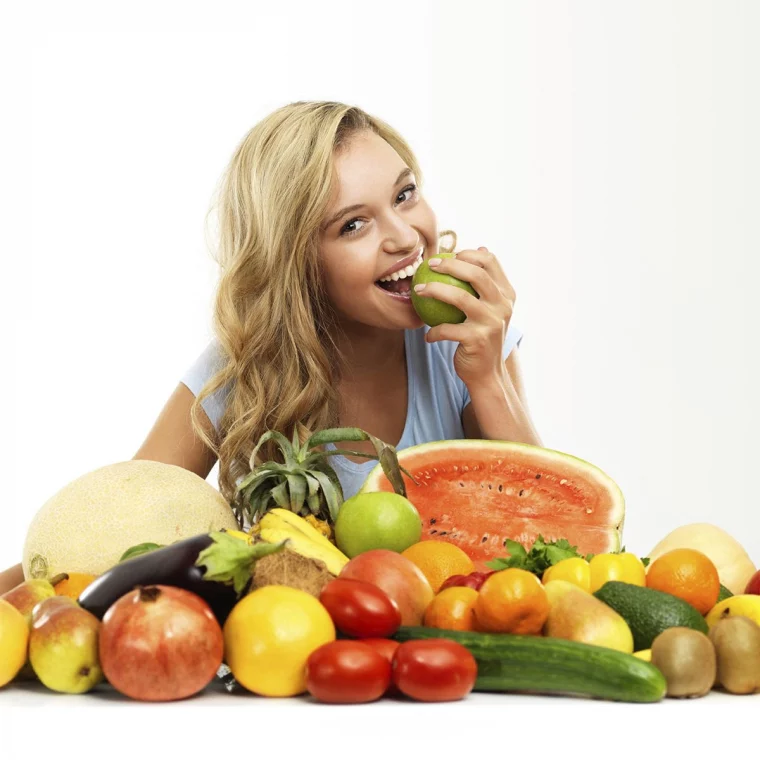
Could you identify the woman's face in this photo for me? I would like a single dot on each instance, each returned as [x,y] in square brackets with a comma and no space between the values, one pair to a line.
[393,226]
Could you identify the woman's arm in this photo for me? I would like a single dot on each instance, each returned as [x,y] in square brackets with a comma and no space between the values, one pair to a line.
[498,409]
[10,578]
[172,440]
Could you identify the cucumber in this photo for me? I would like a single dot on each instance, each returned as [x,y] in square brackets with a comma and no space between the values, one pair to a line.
[649,612]
[508,662]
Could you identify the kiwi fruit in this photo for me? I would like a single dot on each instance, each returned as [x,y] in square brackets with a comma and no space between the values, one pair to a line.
[687,660]
[737,646]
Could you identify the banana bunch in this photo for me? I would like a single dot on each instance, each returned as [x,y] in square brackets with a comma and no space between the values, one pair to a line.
[281,524]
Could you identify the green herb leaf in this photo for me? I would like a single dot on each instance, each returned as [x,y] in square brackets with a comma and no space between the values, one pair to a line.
[139,549]
[645,561]
[541,556]
[230,560]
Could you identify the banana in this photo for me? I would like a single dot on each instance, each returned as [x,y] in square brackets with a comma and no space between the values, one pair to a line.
[239,534]
[334,561]
[298,523]
[745,605]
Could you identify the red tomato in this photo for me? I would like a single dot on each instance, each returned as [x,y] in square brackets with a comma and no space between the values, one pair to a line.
[434,670]
[386,647]
[360,609]
[348,672]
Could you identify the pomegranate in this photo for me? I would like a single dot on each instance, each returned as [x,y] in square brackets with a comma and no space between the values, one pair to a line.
[159,643]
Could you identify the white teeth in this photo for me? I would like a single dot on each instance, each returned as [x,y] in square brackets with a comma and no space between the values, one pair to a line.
[401,274]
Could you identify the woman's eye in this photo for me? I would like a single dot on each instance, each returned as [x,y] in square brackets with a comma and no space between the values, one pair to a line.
[345,232]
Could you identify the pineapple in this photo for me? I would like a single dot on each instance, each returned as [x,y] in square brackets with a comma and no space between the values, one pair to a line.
[306,483]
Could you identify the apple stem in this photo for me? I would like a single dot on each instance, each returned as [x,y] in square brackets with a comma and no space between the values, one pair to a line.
[56,579]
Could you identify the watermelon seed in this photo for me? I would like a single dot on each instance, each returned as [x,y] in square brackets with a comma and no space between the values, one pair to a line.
[484,539]
[538,476]
[461,484]
[500,488]
[433,532]
[432,521]
[522,491]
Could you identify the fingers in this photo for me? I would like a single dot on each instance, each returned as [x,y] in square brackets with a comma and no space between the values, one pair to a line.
[473,307]
[485,260]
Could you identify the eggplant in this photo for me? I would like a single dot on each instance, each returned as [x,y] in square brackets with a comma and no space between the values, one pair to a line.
[172,565]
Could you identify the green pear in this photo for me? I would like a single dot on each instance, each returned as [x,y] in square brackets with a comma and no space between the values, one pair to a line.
[576,615]
[63,646]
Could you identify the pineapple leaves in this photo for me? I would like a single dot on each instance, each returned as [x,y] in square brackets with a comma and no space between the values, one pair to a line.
[328,489]
[306,483]
[297,488]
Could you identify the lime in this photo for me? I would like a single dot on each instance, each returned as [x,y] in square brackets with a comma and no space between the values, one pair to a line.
[431,310]
[377,520]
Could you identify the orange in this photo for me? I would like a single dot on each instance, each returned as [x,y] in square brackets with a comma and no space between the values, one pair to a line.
[453,609]
[511,601]
[438,561]
[74,584]
[687,574]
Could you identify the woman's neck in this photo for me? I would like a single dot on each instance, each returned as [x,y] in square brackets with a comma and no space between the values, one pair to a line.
[370,351]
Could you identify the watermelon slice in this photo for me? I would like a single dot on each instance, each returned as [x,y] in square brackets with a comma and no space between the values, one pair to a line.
[476,493]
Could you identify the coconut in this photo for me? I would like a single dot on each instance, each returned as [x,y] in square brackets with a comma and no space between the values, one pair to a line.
[734,566]
[92,521]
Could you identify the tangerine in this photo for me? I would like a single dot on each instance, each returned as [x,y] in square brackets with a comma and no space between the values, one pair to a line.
[438,561]
[688,574]
[453,609]
[73,584]
[511,601]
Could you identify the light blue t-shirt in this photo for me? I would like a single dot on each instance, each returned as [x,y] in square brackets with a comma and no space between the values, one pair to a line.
[436,397]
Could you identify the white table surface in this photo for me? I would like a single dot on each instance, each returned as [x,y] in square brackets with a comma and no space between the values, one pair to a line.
[496,723]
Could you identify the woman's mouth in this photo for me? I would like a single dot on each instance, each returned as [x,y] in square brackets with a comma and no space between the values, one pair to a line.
[399,283]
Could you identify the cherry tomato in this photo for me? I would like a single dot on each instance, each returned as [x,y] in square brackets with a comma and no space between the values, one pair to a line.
[360,609]
[386,647]
[347,671]
[434,670]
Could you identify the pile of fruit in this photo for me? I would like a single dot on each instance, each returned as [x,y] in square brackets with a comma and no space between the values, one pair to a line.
[460,566]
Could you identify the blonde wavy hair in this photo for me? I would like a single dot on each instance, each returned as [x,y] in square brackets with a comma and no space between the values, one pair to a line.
[273,321]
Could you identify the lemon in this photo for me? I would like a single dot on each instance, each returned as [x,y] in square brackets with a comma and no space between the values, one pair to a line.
[269,636]
[14,637]
[430,310]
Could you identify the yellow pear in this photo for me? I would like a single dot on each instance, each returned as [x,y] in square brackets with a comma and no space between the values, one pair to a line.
[576,615]
[63,646]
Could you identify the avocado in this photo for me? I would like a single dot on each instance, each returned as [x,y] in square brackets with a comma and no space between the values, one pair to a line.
[649,612]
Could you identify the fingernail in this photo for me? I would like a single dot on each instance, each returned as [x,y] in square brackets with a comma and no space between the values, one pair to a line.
[434,262]
[418,288]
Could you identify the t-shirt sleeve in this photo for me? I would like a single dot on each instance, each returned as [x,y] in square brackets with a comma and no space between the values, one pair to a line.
[514,337]
[199,373]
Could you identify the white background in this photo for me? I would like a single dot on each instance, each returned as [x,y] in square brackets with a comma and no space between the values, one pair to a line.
[607,151]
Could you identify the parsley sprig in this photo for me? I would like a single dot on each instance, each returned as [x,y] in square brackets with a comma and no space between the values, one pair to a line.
[541,555]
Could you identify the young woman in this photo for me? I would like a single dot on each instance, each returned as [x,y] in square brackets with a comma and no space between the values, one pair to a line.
[321,202]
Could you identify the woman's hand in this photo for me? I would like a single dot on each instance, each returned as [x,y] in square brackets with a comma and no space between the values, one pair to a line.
[478,358]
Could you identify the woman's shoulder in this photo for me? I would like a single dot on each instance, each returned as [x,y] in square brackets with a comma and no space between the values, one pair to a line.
[206,364]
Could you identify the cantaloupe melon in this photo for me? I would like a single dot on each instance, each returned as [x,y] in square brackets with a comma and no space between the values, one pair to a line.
[92,521]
